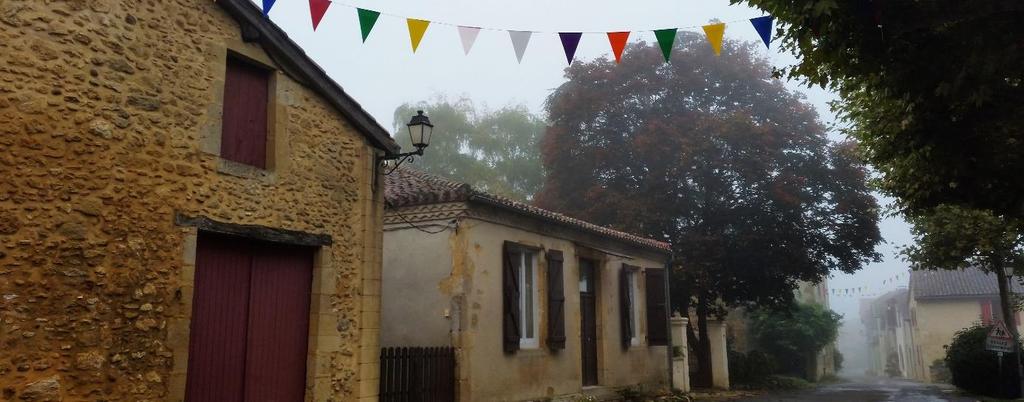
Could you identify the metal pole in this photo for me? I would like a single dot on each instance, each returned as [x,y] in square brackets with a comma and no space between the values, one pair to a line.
[1011,324]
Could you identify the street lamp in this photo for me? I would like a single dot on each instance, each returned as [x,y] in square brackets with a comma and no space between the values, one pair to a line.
[420,130]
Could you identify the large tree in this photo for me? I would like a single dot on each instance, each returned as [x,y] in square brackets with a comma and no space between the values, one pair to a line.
[934,91]
[494,150]
[716,157]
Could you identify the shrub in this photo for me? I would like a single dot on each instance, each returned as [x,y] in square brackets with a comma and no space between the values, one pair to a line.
[837,362]
[973,368]
[751,368]
[795,335]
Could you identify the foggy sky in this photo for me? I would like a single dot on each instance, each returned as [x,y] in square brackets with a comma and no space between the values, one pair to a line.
[384,73]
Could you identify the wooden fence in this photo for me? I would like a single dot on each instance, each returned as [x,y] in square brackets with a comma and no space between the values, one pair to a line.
[409,374]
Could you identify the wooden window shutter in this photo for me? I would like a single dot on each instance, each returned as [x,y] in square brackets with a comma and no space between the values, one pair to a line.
[986,312]
[625,306]
[556,301]
[511,317]
[657,322]
[244,119]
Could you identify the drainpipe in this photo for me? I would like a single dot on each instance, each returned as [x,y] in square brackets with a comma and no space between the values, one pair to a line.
[668,318]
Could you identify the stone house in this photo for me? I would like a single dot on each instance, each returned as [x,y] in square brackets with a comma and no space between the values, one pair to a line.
[189,208]
[942,302]
[537,304]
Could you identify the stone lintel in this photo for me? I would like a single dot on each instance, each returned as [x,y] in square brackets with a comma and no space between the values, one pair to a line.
[256,232]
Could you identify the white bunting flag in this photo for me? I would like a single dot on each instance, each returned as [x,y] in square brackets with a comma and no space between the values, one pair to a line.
[520,39]
[468,36]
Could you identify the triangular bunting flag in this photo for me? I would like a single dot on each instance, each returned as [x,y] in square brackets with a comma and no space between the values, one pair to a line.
[520,39]
[715,33]
[468,36]
[267,4]
[367,18]
[416,30]
[666,39]
[570,41]
[317,9]
[618,41]
[763,25]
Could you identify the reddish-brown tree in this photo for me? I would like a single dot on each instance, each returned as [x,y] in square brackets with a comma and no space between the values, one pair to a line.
[715,156]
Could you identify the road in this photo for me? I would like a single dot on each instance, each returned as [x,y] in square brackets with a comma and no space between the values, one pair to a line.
[868,390]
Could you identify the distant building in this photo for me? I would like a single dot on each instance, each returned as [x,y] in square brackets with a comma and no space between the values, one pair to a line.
[888,333]
[537,304]
[942,303]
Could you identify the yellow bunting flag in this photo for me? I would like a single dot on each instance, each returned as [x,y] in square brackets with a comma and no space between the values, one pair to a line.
[416,30]
[715,32]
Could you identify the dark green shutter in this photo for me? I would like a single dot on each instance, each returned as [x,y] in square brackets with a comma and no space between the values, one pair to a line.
[657,321]
[625,305]
[556,301]
[511,317]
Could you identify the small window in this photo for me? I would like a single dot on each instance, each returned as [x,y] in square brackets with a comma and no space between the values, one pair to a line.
[526,274]
[244,119]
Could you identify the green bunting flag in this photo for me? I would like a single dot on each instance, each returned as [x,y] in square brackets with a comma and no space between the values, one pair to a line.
[666,39]
[367,18]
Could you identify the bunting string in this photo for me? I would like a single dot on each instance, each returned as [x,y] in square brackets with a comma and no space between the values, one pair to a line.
[520,39]
[871,290]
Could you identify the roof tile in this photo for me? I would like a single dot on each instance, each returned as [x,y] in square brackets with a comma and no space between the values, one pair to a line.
[956,283]
[408,187]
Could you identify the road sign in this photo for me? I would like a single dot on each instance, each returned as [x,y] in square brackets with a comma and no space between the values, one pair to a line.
[999,339]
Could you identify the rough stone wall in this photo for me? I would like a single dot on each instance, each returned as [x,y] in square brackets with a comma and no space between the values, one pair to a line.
[103,109]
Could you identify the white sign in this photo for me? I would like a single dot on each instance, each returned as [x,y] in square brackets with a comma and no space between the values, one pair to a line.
[999,339]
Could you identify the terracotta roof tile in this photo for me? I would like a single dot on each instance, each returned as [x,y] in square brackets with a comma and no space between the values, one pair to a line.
[408,187]
[956,283]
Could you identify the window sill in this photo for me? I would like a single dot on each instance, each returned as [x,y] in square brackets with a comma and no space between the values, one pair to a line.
[241,170]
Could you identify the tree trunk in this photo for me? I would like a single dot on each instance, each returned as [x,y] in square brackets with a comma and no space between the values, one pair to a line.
[703,349]
[1013,387]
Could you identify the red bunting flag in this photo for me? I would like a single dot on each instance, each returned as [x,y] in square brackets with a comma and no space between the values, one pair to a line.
[618,42]
[317,9]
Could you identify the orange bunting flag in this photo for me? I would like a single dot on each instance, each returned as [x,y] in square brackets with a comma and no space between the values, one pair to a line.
[618,42]
[715,34]
[416,30]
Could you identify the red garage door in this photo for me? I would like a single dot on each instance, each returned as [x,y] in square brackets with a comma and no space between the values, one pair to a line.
[250,321]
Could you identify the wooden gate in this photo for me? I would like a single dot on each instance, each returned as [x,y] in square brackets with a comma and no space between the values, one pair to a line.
[410,374]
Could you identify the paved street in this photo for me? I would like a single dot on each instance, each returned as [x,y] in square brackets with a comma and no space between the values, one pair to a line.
[868,390]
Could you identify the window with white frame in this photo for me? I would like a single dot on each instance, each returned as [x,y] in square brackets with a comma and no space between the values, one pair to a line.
[526,273]
[633,288]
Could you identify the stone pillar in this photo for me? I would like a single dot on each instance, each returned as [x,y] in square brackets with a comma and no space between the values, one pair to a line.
[680,353]
[719,355]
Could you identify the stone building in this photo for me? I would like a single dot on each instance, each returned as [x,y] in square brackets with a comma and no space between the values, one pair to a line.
[183,193]
[942,302]
[538,305]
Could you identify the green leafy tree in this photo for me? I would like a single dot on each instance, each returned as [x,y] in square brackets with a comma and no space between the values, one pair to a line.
[496,151]
[796,335]
[714,156]
[934,91]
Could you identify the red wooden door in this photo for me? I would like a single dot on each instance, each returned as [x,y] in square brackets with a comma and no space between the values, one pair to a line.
[278,325]
[250,321]
[220,315]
